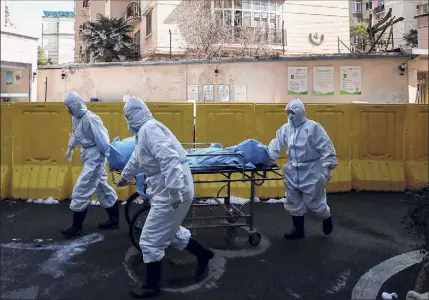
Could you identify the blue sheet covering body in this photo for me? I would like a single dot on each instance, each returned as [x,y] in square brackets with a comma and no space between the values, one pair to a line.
[252,153]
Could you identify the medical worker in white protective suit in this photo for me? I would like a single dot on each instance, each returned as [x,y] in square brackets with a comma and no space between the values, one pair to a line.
[311,159]
[89,133]
[162,158]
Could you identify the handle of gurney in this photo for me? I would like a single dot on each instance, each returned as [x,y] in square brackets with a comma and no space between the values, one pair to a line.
[112,174]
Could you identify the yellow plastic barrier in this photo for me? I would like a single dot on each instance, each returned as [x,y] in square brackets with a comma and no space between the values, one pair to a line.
[335,118]
[40,133]
[377,147]
[6,150]
[179,117]
[227,124]
[416,146]
[268,119]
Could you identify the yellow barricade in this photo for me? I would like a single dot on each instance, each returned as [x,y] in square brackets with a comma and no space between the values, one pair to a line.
[178,117]
[227,124]
[335,118]
[416,146]
[6,150]
[377,147]
[268,119]
[40,133]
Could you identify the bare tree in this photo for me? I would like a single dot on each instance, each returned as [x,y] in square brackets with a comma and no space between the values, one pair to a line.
[377,32]
[207,35]
[204,36]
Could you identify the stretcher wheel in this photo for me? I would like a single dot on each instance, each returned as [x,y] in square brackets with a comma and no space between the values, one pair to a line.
[136,225]
[130,201]
[255,238]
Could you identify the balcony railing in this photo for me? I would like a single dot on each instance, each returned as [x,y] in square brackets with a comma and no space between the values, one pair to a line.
[268,36]
[133,11]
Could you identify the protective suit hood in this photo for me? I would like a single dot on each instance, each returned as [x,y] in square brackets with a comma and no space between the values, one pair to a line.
[298,108]
[136,112]
[74,102]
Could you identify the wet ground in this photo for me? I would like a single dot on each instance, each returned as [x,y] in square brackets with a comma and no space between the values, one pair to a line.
[104,265]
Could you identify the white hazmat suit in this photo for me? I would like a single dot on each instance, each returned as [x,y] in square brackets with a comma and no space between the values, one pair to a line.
[91,135]
[311,157]
[162,158]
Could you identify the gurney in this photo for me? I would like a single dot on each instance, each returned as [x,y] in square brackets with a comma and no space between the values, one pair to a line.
[234,216]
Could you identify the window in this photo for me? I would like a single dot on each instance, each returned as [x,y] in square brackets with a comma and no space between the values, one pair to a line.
[238,18]
[218,4]
[265,14]
[228,17]
[255,5]
[247,18]
[149,24]
[264,5]
[425,8]
[368,5]
[357,7]
[219,17]
[272,20]
[86,3]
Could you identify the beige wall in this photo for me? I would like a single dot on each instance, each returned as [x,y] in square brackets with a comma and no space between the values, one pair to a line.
[149,43]
[266,81]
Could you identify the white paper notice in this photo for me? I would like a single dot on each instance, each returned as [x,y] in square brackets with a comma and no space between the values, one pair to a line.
[18,76]
[208,95]
[323,81]
[193,92]
[297,83]
[350,80]
[223,94]
[240,93]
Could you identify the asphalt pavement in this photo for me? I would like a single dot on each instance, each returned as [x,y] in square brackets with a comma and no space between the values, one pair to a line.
[37,263]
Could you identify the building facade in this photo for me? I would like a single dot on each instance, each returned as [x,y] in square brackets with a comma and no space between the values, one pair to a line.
[58,36]
[361,10]
[293,27]
[422,24]
[18,62]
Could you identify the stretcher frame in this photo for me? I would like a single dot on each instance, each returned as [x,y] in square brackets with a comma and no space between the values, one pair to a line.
[234,217]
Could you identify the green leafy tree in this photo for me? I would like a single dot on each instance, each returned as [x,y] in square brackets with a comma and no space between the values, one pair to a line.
[411,38]
[359,36]
[108,39]
[42,60]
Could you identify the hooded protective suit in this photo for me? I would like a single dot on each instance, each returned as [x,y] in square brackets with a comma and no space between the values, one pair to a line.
[89,133]
[162,158]
[311,157]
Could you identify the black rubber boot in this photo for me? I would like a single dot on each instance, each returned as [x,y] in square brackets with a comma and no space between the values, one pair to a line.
[203,257]
[298,229]
[76,228]
[113,213]
[151,288]
[328,226]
